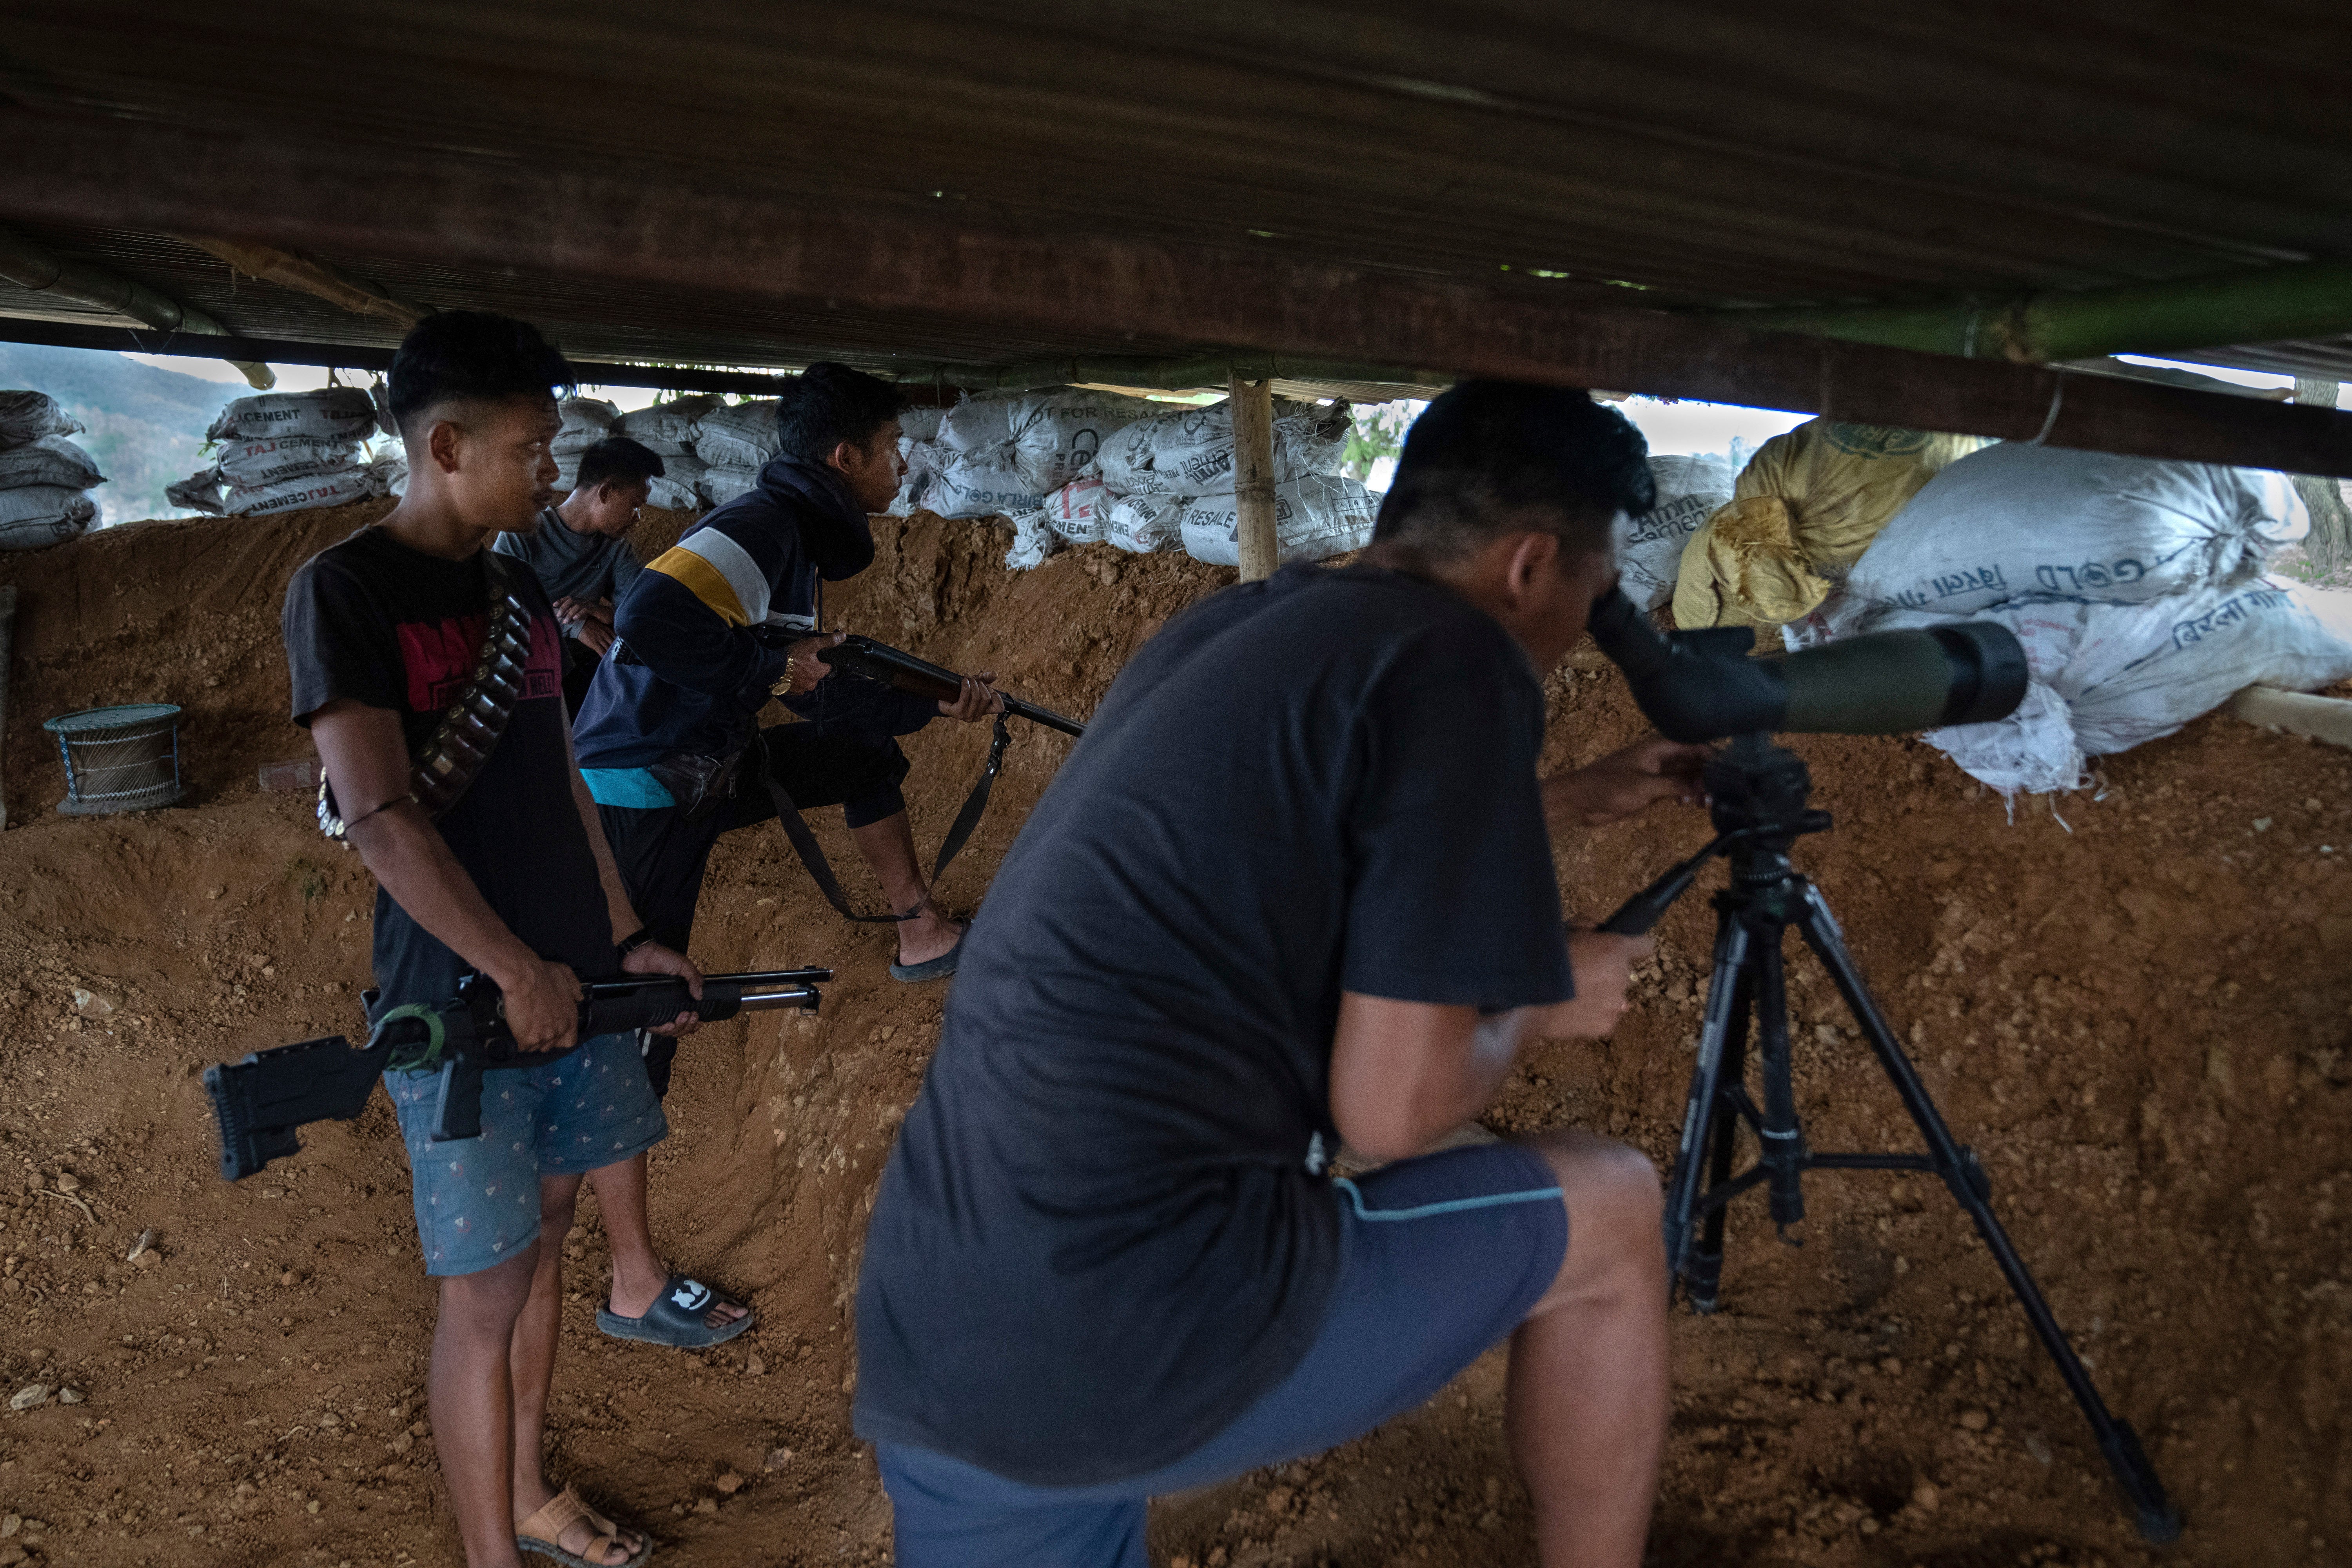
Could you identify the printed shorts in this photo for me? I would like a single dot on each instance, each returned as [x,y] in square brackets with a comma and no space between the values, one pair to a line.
[478,1198]
[1445,1254]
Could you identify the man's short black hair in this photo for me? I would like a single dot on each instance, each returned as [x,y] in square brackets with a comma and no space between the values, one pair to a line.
[828,404]
[472,355]
[1493,457]
[617,460]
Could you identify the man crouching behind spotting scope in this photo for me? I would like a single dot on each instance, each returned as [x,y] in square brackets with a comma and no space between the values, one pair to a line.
[1295,886]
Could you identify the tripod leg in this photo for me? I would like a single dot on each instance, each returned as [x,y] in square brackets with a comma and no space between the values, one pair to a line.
[1782,1143]
[1703,1278]
[1731,944]
[1964,1176]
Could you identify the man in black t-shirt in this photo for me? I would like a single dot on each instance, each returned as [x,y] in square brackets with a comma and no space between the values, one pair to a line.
[383,632]
[1295,886]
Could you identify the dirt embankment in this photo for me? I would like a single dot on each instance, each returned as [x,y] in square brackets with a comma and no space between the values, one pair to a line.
[2139,1018]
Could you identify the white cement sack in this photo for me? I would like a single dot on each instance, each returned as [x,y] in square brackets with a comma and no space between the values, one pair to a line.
[740,435]
[345,413]
[251,464]
[678,487]
[1690,490]
[1034,539]
[33,515]
[1190,451]
[300,495]
[392,472]
[197,492]
[2015,521]
[2107,677]
[1315,517]
[920,424]
[1078,510]
[721,483]
[982,484]
[1145,525]
[50,460]
[980,424]
[1055,435]
[30,415]
[667,429]
[586,421]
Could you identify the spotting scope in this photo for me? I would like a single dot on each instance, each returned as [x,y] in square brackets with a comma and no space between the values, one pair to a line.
[1700,686]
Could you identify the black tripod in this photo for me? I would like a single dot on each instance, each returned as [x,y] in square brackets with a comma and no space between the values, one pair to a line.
[1759,793]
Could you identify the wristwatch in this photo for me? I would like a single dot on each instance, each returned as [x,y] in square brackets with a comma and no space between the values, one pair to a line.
[641,937]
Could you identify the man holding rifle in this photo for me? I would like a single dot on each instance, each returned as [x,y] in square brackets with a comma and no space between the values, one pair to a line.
[1295,887]
[385,633]
[669,736]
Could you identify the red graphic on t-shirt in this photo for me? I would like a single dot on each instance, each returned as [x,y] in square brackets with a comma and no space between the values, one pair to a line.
[440,658]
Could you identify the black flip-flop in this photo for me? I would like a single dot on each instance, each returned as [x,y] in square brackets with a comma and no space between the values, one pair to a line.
[938,968]
[675,1318]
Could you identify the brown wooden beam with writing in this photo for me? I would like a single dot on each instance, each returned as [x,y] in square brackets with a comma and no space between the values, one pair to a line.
[456,210]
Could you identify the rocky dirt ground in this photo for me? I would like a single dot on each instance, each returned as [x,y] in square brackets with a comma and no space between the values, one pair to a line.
[2134,1005]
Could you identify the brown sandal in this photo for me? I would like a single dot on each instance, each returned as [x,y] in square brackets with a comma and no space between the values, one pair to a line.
[543,1529]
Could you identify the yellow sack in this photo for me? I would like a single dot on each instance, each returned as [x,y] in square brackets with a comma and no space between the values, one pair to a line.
[1806,506]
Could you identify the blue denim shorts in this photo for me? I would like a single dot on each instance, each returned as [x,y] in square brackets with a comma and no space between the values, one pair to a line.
[478,1198]
[1445,1254]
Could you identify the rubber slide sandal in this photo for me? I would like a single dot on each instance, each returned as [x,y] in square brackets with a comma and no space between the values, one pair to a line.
[938,968]
[675,1318]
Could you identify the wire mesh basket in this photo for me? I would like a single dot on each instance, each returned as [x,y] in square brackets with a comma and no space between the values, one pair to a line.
[119,759]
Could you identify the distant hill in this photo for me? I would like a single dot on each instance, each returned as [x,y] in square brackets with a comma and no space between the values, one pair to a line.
[145,426]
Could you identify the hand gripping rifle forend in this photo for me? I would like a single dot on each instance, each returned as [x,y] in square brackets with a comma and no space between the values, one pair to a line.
[894,667]
[260,1101]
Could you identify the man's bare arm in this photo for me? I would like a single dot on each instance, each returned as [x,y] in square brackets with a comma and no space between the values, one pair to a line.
[1405,1074]
[651,958]
[366,759]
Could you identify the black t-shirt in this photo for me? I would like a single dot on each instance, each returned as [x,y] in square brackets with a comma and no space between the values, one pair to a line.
[1106,1227]
[388,626]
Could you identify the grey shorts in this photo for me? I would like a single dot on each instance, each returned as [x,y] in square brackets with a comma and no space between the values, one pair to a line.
[478,1198]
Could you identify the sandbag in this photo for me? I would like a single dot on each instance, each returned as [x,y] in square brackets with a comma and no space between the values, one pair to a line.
[2107,677]
[199,493]
[1315,517]
[300,495]
[345,413]
[920,424]
[1690,490]
[1190,451]
[740,435]
[677,487]
[252,465]
[1805,510]
[978,423]
[49,461]
[1144,524]
[722,482]
[1055,435]
[982,484]
[391,472]
[32,416]
[667,429]
[1034,539]
[35,516]
[1078,510]
[2016,520]
[586,421]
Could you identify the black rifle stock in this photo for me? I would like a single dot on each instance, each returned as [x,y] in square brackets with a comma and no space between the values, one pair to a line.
[260,1100]
[892,667]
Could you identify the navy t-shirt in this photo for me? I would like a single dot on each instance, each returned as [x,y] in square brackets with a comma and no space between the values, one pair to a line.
[1105,1228]
[389,627]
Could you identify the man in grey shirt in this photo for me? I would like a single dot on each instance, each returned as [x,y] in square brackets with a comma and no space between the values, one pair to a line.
[581,555]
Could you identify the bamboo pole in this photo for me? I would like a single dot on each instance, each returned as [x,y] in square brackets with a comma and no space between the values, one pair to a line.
[1253,411]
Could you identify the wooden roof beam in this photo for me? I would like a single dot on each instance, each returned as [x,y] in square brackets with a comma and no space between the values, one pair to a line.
[658,233]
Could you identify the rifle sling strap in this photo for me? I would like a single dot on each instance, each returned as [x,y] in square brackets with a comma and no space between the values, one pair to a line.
[812,853]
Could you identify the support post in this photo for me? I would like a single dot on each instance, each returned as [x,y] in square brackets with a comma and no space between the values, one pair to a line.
[1253,411]
[2329,544]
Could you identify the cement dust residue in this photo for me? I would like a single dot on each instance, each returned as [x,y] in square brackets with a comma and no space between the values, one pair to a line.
[2142,1023]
